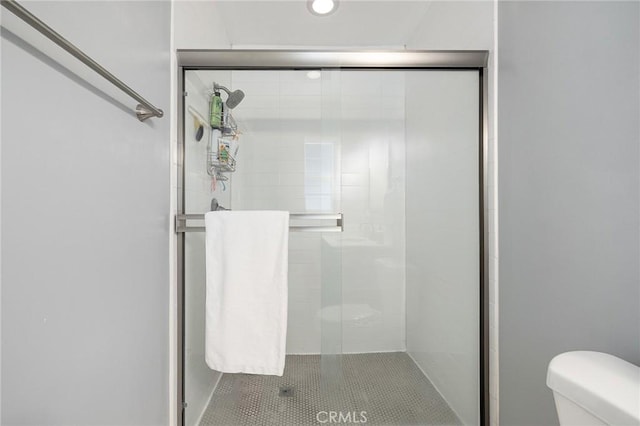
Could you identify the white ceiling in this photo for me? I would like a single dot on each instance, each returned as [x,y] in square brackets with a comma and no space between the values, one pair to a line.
[288,23]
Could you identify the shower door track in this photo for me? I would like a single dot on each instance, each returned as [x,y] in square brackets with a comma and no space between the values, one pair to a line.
[473,60]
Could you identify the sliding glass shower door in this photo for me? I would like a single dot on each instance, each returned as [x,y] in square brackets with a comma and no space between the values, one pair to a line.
[286,149]
[383,317]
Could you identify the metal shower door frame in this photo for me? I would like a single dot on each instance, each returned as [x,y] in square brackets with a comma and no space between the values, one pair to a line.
[474,60]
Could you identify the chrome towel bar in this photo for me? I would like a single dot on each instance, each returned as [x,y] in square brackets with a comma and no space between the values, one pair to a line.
[143,111]
[181,222]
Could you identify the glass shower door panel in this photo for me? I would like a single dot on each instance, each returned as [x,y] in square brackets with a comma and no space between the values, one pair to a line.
[198,190]
[409,253]
[443,229]
[331,254]
[289,159]
[397,153]
[373,181]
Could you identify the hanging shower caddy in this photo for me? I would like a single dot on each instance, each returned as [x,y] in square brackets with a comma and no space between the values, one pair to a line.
[220,159]
[223,139]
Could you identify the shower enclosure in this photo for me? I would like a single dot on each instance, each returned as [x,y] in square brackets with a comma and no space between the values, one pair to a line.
[387,317]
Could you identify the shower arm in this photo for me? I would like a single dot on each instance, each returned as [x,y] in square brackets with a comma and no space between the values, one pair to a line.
[217,86]
[233,97]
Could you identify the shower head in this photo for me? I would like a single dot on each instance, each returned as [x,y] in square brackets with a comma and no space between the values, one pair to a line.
[234,98]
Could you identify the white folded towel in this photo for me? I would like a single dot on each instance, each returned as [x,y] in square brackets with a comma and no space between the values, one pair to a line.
[246,296]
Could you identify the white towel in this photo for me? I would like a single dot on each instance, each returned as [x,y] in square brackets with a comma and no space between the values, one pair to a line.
[246,296]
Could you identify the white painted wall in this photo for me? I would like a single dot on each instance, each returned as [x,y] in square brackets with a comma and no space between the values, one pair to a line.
[85,230]
[198,25]
[443,234]
[455,25]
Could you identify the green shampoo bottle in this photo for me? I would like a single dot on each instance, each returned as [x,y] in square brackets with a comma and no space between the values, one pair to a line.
[215,109]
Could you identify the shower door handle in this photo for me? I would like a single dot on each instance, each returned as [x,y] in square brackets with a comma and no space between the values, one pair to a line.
[300,222]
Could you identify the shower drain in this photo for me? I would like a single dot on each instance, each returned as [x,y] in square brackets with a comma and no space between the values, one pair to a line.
[286,391]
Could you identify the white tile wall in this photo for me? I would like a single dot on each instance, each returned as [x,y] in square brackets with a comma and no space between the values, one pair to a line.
[443,244]
[285,163]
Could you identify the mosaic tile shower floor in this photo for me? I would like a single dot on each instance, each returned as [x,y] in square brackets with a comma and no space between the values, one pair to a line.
[376,389]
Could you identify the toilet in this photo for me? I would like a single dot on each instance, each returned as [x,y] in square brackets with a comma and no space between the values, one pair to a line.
[594,388]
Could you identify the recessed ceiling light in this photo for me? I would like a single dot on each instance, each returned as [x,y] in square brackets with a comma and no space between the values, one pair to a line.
[314,74]
[322,7]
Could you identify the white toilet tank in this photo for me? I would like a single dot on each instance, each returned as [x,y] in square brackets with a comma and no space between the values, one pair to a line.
[593,388]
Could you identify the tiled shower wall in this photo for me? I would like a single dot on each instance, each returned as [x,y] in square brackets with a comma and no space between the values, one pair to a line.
[443,239]
[288,161]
